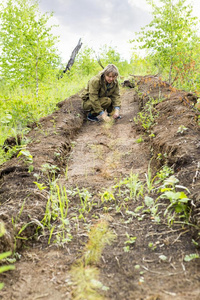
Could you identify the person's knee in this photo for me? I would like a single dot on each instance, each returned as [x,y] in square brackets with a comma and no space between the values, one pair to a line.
[86,106]
[109,101]
[105,102]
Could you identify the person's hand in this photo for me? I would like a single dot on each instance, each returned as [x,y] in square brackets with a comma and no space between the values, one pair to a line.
[105,117]
[116,113]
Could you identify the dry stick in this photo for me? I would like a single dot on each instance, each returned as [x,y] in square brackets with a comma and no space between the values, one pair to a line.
[117,261]
[179,236]
[163,232]
[197,174]
[169,293]
[41,296]
[159,273]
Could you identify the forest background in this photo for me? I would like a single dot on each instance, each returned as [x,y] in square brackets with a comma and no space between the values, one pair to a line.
[31,71]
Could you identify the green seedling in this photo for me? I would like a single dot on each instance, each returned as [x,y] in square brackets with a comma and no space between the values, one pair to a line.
[152,208]
[107,196]
[57,211]
[130,187]
[40,186]
[150,180]
[191,257]
[130,241]
[4,256]
[182,129]
[152,246]
[27,158]
[179,202]
[50,169]
[139,140]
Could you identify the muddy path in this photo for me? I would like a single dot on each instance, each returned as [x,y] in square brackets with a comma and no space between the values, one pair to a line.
[93,161]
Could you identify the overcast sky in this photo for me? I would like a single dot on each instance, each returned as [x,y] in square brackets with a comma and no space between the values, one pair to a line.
[99,22]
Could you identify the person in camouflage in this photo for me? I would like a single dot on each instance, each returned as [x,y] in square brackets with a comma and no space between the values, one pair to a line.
[101,96]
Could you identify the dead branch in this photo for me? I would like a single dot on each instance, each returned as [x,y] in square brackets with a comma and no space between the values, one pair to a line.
[72,58]
[99,62]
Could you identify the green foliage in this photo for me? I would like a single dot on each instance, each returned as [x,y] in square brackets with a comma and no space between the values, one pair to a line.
[99,236]
[85,63]
[147,116]
[4,255]
[56,214]
[179,202]
[109,55]
[28,47]
[84,274]
[171,38]
[130,241]
[191,257]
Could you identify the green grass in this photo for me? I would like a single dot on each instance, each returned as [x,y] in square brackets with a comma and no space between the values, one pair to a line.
[19,107]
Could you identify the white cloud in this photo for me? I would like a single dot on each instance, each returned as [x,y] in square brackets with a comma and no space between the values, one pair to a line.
[140,4]
[99,22]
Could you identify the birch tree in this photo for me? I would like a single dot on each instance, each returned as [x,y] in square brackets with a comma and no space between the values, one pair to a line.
[28,51]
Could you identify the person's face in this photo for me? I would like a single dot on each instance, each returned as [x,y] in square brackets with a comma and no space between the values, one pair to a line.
[110,77]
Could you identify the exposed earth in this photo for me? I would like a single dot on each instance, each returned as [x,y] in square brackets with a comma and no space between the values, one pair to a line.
[89,165]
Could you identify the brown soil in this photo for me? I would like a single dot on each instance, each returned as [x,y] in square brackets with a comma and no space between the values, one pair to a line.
[95,156]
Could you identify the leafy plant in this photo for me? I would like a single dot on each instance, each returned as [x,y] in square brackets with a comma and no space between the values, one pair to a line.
[170,39]
[191,257]
[107,196]
[179,202]
[56,215]
[34,55]
[130,187]
[4,255]
[139,140]
[182,129]
[130,241]
[147,116]
[27,158]
[152,208]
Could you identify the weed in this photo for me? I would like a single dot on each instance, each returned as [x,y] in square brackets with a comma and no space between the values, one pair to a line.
[146,117]
[164,172]
[179,202]
[130,186]
[107,196]
[4,255]
[150,180]
[85,196]
[15,223]
[152,208]
[139,140]
[57,211]
[98,151]
[191,257]
[50,169]
[27,158]
[182,129]
[130,241]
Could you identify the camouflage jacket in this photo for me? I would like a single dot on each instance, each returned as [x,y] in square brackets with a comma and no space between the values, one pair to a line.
[97,88]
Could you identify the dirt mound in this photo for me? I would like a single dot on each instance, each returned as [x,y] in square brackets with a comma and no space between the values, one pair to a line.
[90,165]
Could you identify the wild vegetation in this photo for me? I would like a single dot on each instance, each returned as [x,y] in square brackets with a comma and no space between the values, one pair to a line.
[31,90]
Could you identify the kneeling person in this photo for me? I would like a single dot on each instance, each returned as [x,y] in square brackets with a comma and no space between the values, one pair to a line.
[101,98]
